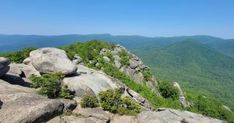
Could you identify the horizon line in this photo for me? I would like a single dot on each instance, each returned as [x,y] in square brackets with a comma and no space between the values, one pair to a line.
[15,34]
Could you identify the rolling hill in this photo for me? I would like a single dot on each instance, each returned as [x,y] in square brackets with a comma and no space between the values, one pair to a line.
[196,66]
[17,42]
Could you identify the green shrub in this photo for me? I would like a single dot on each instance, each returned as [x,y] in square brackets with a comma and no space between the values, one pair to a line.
[147,74]
[65,92]
[88,101]
[130,106]
[167,90]
[124,58]
[210,107]
[88,50]
[19,56]
[111,100]
[109,55]
[50,85]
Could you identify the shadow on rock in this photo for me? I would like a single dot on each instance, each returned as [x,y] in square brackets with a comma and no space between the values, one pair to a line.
[12,79]
[1,104]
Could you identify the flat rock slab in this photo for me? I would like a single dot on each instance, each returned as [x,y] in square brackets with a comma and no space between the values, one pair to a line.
[74,119]
[21,104]
[124,119]
[174,116]
[91,81]
[97,113]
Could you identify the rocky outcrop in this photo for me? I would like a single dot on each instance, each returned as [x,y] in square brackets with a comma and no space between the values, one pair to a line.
[47,60]
[182,98]
[138,98]
[89,81]
[227,108]
[92,82]
[135,67]
[174,116]
[19,74]
[97,115]
[77,60]
[84,115]
[4,62]
[69,105]
[21,104]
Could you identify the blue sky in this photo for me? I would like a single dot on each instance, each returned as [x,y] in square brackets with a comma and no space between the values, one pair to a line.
[118,17]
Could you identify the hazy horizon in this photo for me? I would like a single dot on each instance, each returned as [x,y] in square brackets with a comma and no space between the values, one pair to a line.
[149,18]
[115,35]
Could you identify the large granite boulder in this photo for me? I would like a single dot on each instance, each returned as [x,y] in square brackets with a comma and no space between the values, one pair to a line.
[4,62]
[90,81]
[47,60]
[23,105]
[174,116]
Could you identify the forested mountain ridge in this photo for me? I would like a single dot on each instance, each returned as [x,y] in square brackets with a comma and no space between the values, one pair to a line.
[199,68]
[17,42]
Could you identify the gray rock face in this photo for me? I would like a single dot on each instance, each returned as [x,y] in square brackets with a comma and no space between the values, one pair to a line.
[77,60]
[4,62]
[182,98]
[14,70]
[135,69]
[174,116]
[124,119]
[92,82]
[89,81]
[117,61]
[1,104]
[97,113]
[28,70]
[69,105]
[23,105]
[134,63]
[138,98]
[106,58]
[227,108]
[74,119]
[27,61]
[47,60]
